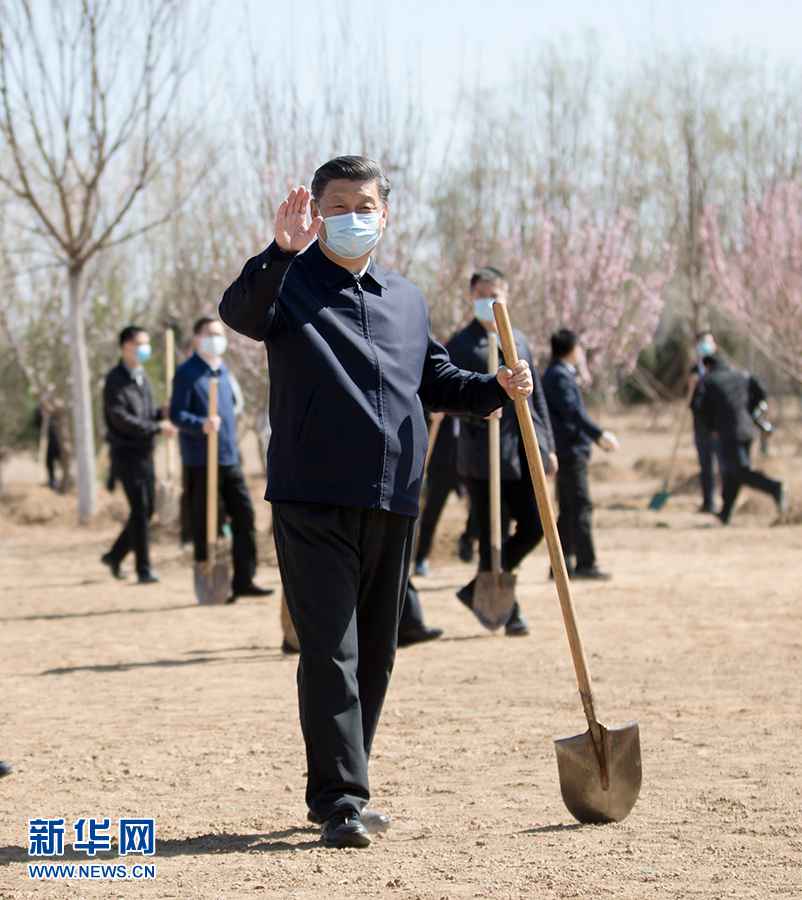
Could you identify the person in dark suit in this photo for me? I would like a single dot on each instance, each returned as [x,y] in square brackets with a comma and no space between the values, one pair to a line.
[575,433]
[132,422]
[730,399]
[441,479]
[352,364]
[707,443]
[53,452]
[469,349]
[189,410]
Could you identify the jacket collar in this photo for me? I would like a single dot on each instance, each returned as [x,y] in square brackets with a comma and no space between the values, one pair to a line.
[201,362]
[333,275]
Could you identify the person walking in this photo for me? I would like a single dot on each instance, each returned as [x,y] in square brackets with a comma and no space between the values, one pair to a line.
[575,433]
[189,410]
[132,422]
[708,448]
[352,364]
[469,350]
[730,400]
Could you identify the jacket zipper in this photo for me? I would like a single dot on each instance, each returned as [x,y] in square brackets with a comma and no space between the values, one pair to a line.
[380,384]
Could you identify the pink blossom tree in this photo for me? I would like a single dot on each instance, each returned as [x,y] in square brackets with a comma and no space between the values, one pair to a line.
[578,270]
[757,272]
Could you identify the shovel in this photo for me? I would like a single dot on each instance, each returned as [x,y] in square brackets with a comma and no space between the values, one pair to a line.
[600,770]
[494,591]
[167,497]
[212,578]
[664,494]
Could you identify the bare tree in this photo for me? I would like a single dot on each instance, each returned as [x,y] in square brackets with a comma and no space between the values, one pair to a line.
[87,93]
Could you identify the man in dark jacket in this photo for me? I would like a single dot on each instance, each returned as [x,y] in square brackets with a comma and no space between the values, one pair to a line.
[352,362]
[132,423]
[469,349]
[189,410]
[707,444]
[575,433]
[730,398]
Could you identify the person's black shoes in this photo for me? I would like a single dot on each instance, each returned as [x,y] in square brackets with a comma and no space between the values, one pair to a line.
[148,578]
[288,650]
[723,517]
[706,509]
[517,625]
[252,590]
[419,635]
[5,769]
[592,573]
[114,566]
[345,829]
[375,822]
[465,548]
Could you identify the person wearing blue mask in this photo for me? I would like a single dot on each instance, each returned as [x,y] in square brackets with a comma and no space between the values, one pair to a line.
[708,447]
[469,349]
[189,410]
[352,363]
[132,423]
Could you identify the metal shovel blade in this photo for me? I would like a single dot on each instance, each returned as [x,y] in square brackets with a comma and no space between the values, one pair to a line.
[659,500]
[494,598]
[581,779]
[212,581]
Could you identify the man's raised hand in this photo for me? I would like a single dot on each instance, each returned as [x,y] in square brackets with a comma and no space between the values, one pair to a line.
[292,232]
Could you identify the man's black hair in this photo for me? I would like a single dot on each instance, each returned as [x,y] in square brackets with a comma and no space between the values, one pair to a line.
[202,322]
[563,342]
[352,168]
[129,333]
[487,273]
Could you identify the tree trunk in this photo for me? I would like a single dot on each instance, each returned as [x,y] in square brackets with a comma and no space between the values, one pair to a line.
[83,429]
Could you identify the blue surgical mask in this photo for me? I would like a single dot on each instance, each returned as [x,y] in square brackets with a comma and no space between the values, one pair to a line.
[352,235]
[483,309]
[705,348]
[213,345]
[143,352]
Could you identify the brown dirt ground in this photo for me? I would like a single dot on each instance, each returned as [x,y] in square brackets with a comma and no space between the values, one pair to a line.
[123,700]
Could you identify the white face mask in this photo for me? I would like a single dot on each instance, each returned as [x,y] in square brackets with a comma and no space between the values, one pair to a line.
[483,309]
[352,235]
[213,345]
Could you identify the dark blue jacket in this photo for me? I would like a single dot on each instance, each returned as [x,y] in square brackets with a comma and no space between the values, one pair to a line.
[189,406]
[351,361]
[574,431]
[469,349]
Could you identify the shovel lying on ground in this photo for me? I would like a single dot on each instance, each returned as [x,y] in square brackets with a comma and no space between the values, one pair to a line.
[600,770]
[212,578]
[168,505]
[494,591]
[664,494]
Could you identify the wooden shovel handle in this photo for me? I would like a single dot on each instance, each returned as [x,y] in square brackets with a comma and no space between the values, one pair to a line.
[169,375]
[672,469]
[494,456]
[211,473]
[546,510]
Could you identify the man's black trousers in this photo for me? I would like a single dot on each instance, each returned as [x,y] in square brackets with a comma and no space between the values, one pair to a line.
[440,483]
[737,471]
[576,512]
[135,473]
[344,572]
[237,506]
[517,504]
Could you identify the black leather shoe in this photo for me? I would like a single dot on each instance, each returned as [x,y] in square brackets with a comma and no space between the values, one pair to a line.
[253,590]
[465,548]
[593,573]
[419,635]
[516,626]
[345,829]
[5,769]
[148,578]
[114,566]
[375,822]
[289,650]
